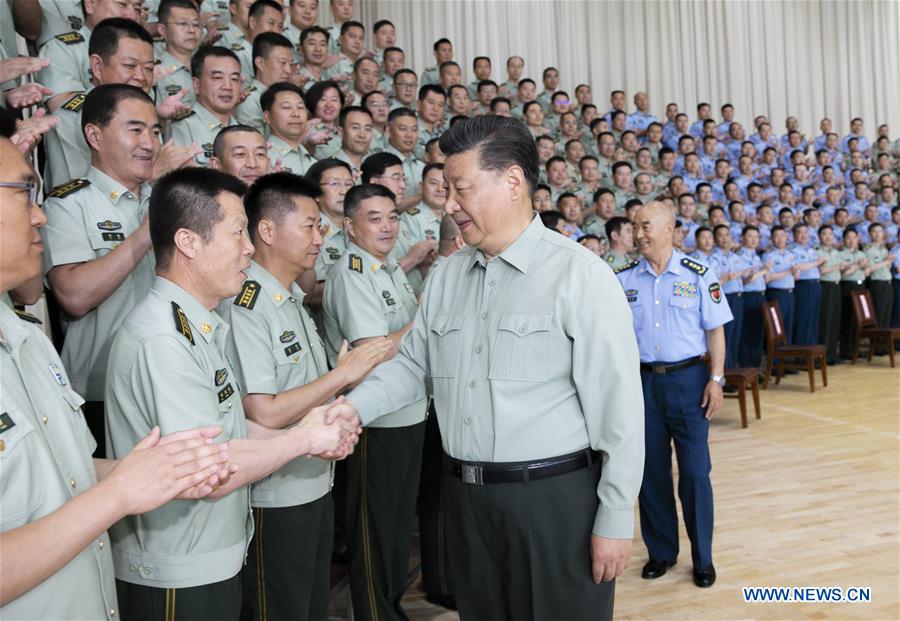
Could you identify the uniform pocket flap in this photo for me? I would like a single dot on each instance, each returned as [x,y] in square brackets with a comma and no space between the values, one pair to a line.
[524,324]
[444,324]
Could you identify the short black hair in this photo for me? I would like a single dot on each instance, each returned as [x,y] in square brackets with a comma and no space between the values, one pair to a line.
[432,166]
[457,87]
[304,34]
[398,112]
[102,102]
[351,24]
[257,8]
[166,6]
[200,56]
[265,42]
[347,110]
[375,165]
[317,170]
[270,197]
[551,219]
[359,193]
[483,83]
[219,142]
[477,58]
[267,99]
[381,23]
[614,225]
[500,142]
[104,41]
[548,70]
[431,88]
[496,101]
[317,91]
[187,198]
[448,63]
[440,42]
[359,61]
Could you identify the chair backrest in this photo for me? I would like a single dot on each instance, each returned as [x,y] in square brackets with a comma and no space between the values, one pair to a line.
[863,310]
[774,324]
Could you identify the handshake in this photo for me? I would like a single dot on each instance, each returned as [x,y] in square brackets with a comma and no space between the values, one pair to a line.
[332,430]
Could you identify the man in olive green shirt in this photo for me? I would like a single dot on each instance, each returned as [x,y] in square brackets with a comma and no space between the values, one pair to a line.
[58,502]
[367,296]
[618,231]
[286,117]
[271,64]
[285,374]
[171,366]
[510,350]
[402,133]
[878,275]
[180,27]
[853,276]
[830,278]
[421,225]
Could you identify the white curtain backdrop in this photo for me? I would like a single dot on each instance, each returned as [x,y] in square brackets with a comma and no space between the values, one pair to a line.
[808,59]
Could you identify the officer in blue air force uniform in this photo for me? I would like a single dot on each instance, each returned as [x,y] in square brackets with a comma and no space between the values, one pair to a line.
[679,310]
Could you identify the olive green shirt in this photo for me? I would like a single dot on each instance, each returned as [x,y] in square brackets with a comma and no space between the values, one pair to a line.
[852,256]
[237,42]
[279,349]
[179,80]
[521,369]
[59,17]
[68,153]
[45,461]
[334,245]
[594,225]
[332,146]
[365,298]
[832,258]
[250,112]
[69,69]
[615,259]
[877,253]
[425,135]
[416,225]
[84,224]
[169,367]
[292,160]
[412,168]
[431,75]
[200,127]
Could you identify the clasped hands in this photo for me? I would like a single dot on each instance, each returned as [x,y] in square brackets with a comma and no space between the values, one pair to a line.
[333,430]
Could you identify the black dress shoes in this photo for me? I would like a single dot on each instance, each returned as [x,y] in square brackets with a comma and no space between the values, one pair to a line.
[655,569]
[705,578]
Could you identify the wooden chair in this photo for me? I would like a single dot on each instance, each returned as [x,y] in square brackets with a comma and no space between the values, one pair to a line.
[744,378]
[867,327]
[777,348]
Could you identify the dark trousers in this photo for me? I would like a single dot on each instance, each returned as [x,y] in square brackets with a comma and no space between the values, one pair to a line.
[220,601]
[882,300]
[895,307]
[807,306]
[432,513]
[848,318]
[785,299]
[752,331]
[521,551]
[830,319]
[288,571]
[382,485]
[95,417]
[672,413]
[733,329]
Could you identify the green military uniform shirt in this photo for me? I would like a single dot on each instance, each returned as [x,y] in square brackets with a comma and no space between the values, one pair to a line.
[276,341]
[343,66]
[169,367]
[412,168]
[331,146]
[250,112]
[45,461]
[832,258]
[594,225]
[59,17]
[416,224]
[431,75]
[178,81]
[334,33]
[293,160]
[86,220]
[334,245]
[200,127]
[354,170]
[425,135]
[511,348]
[366,298]
[616,259]
[237,42]
[852,256]
[876,253]
[68,153]
[379,141]
[8,45]
[69,69]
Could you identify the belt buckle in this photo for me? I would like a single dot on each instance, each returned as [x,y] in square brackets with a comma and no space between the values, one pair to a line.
[472,474]
[659,369]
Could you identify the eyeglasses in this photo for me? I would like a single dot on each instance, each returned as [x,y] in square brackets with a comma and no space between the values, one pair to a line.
[337,185]
[32,188]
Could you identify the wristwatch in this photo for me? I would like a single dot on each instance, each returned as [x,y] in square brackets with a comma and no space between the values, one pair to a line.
[718,379]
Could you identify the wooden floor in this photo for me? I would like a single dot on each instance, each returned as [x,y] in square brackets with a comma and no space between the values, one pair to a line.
[807,496]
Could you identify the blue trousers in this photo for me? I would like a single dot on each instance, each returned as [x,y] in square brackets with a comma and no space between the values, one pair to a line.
[733,329]
[895,312]
[752,333]
[672,412]
[807,308]
[785,299]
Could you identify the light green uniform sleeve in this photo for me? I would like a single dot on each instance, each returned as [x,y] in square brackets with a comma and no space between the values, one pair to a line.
[352,310]
[65,238]
[252,343]
[68,154]
[68,68]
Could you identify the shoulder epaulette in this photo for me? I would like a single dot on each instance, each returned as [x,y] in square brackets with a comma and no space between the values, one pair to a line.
[69,187]
[694,266]
[412,211]
[237,47]
[74,104]
[627,266]
[70,38]
[248,295]
[356,263]
[181,117]
[181,323]
[28,317]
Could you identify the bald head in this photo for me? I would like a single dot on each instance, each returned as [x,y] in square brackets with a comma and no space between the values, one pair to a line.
[654,225]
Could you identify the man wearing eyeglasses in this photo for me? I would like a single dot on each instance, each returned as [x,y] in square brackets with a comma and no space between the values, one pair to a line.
[179,25]
[367,296]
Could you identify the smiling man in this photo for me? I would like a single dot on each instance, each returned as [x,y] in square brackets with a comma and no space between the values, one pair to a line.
[241,151]
[528,413]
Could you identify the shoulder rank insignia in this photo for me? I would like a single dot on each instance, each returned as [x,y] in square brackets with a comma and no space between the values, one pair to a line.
[181,323]
[627,266]
[61,191]
[413,211]
[71,38]
[28,317]
[181,117]
[356,263]
[694,266]
[237,47]
[173,89]
[6,422]
[109,225]
[248,295]
[74,104]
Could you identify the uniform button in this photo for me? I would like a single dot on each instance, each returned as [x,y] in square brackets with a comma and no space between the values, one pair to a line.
[484,315]
[657,348]
[657,324]
[657,281]
[2,446]
[467,420]
[657,301]
[478,349]
[491,283]
[44,419]
[112,612]
[229,405]
[472,384]
[72,483]
[133,567]
[521,329]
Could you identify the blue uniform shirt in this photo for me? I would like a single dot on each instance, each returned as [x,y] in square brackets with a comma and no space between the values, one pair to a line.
[722,261]
[751,259]
[782,260]
[805,254]
[672,311]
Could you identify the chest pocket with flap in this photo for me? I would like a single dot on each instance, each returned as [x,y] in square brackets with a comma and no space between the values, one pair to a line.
[521,348]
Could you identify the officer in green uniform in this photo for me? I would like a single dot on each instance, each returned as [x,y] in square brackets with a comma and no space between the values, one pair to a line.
[180,26]
[367,296]
[443,52]
[403,136]
[335,179]
[618,231]
[217,83]
[522,397]
[97,259]
[286,116]
[272,63]
[58,17]
[60,566]
[172,367]
[265,16]
[830,277]
[853,276]
[241,151]
[421,225]
[878,274]
[285,374]
[432,99]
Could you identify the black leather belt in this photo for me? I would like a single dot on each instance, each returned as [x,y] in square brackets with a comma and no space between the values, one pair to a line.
[671,367]
[482,473]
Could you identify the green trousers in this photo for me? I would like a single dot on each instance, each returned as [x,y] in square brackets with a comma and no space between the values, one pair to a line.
[220,601]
